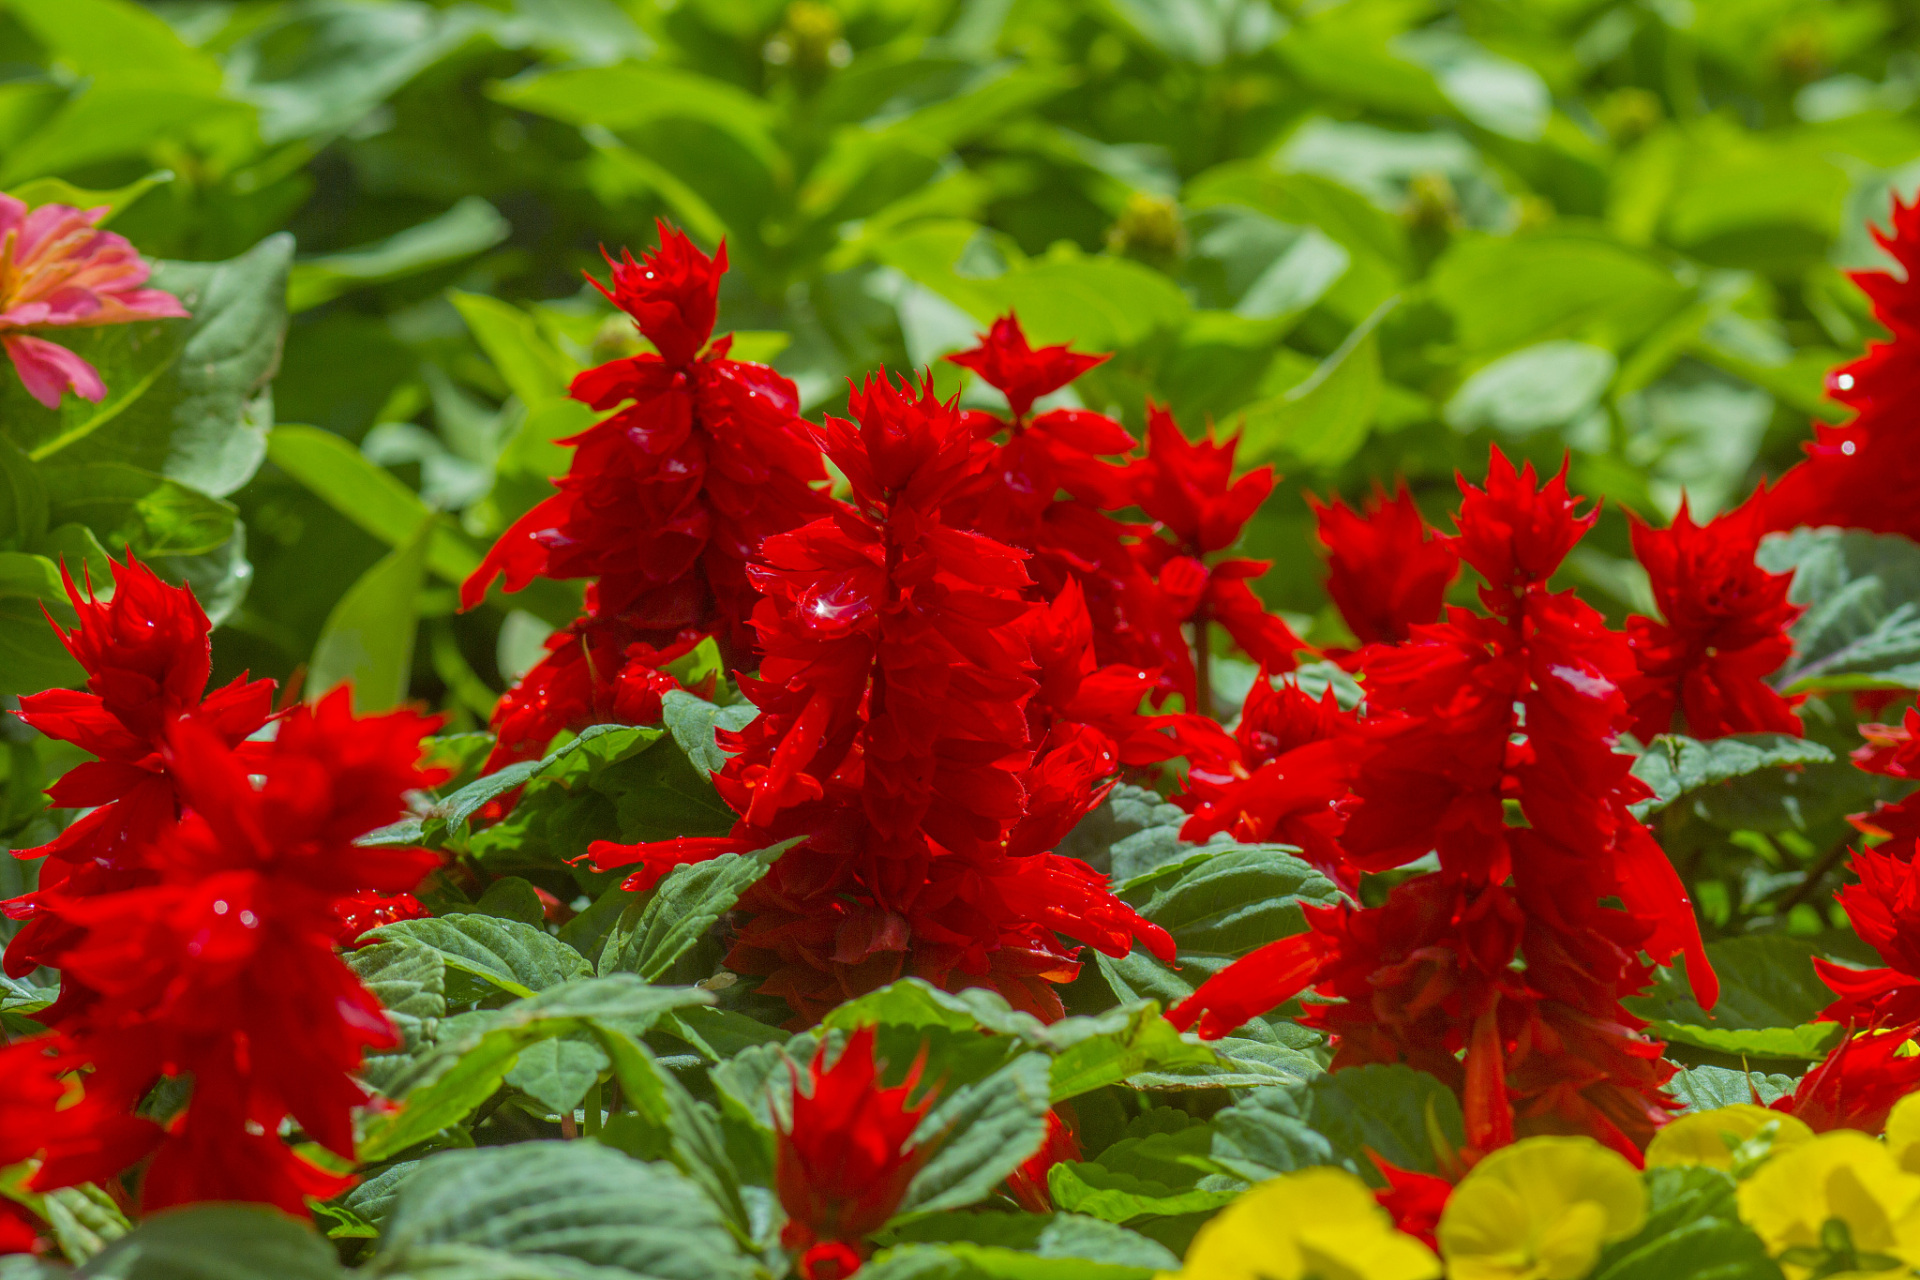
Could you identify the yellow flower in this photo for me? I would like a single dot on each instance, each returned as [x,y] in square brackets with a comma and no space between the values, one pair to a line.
[1317,1224]
[1903,1133]
[1840,1203]
[1733,1138]
[1540,1209]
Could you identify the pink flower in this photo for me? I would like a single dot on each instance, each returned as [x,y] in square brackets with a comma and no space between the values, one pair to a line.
[58,270]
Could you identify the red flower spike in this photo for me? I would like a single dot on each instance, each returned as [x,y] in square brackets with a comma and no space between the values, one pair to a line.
[147,657]
[898,739]
[1005,361]
[1862,475]
[219,962]
[843,1162]
[1188,486]
[665,502]
[1725,630]
[1858,1083]
[672,293]
[1387,571]
[1516,531]
[1893,751]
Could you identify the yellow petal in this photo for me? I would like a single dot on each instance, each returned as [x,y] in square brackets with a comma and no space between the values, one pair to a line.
[1903,1133]
[1317,1224]
[1540,1209]
[1709,1137]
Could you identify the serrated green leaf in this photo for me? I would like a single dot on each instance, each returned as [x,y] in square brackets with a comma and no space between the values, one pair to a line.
[127,506]
[1675,766]
[1809,1042]
[553,1211]
[692,722]
[1705,1088]
[1693,1229]
[254,1243]
[1861,628]
[978,1135]
[475,1051]
[656,930]
[1338,1117]
[515,958]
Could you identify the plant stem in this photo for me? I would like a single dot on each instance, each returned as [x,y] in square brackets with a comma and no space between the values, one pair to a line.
[1815,874]
[595,1119]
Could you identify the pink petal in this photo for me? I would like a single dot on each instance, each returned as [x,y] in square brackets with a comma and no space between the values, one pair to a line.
[48,369]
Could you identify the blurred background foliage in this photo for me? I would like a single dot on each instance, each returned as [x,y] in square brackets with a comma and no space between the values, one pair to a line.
[1373,235]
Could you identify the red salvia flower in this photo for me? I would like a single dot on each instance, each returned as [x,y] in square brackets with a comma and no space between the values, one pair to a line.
[221,964]
[664,504]
[1189,490]
[1046,489]
[1416,1200]
[1501,974]
[894,736]
[1725,630]
[148,658]
[1386,570]
[1858,1083]
[843,1161]
[58,270]
[1862,475]
[1007,363]
[1894,752]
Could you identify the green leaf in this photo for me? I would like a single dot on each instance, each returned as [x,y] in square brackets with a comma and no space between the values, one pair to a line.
[1325,419]
[471,226]
[655,931]
[410,982]
[368,636]
[113,119]
[23,500]
[1507,293]
[85,1220]
[186,398]
[1861,628]
[112,38]
[475,1051]
[557,1073]
[1770,995]
[1336,1119]
[57,191]
[597,746]
[1140,1177]
[554,1211]
[979,1134]
[217,1242]
[687,1129]
[1676,767]
[692,722]
[1550,384]
[534,369]
[126,506]
[1693,1229]
[367,494]
[1706,1088]
[512,957]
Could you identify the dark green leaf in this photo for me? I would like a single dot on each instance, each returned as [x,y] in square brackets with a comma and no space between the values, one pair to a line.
[979,1134]
[217,1242]
[1861,628]
[656,930]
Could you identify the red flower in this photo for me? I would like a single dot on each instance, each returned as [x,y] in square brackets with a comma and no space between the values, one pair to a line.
[1725,630]
[19,1229]
[1284,777]
[148,659]
[1387,571]
[894,736]
[364,912]
[843,1162]
[1894,752]
[1005,361]
[1028,1184]
[1416,1200]
[1862,475]
[1858,1083]
[1502,973]
[1189,490]
[664,504]
[59,271]
[221,965]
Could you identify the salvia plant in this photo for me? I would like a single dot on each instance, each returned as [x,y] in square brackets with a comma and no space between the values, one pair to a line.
[1195,641]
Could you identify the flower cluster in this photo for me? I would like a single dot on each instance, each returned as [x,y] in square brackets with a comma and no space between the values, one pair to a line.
[194,913]
[663,507]
[903,738]
[1387,572]
[1725,630]
[1488,739]
[58,270]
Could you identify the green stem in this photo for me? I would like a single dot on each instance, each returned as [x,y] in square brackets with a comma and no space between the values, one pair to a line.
[595,1120]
